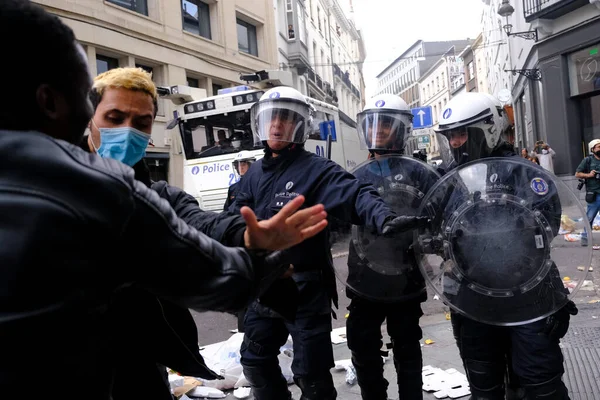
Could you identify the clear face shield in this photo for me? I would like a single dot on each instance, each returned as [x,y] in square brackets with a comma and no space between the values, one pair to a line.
[384,130]
[281,121]
[467,143]
[241,167]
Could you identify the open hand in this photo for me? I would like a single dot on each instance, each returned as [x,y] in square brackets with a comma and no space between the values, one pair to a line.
[286,229]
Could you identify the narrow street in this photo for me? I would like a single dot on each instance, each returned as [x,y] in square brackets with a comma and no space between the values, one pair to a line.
[581,345]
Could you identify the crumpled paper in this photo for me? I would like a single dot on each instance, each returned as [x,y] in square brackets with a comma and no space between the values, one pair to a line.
[350,370]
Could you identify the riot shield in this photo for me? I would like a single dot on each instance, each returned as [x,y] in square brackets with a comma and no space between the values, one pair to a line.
[496,251]
[380,268]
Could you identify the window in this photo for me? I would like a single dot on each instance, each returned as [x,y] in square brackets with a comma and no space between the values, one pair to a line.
[150,70]
[437,83]
[139,6]
[301,23]
[104,63]
[443,80]
[471,70]
[156,79]
[216,87]
[246,34]
[319,17]
[289,17]
[196,17]
[193,82]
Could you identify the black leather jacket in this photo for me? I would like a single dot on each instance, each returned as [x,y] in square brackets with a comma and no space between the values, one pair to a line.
[69,221]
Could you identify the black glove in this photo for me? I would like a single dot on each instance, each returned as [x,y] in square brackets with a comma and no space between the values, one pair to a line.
[558,323]
[403,223]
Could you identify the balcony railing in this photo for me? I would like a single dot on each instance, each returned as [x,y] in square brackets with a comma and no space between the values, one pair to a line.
[550,9]
[319,82]
[345,78]
[336,70]
[311,74]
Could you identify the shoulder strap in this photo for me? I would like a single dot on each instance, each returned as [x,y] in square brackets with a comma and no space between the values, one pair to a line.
[589,163]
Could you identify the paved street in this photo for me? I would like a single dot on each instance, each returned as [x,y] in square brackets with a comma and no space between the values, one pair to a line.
[581,346]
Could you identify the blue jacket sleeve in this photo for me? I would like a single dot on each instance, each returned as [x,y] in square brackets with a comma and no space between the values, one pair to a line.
[226,228]
[346,198]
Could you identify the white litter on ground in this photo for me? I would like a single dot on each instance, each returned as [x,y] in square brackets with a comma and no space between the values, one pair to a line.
[339,335]
[224,359]
[350,371]
[241,393]
[449,383]
[208,392]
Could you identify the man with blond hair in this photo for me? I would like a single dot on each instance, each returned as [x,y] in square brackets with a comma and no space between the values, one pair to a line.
[125,101]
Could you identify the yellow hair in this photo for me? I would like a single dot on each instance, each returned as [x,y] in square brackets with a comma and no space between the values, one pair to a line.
[126,78]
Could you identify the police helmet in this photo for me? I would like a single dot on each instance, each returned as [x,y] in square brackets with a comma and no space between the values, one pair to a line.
[473,124]
[385,123]
[245,156]
[282,114]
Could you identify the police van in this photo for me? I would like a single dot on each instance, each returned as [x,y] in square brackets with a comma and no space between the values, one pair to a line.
[214,129]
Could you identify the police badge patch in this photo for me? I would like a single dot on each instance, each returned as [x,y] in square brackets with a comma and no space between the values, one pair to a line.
[539,186]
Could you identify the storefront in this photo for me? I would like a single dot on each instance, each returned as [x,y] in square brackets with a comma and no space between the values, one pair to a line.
[584,74]
[564,107]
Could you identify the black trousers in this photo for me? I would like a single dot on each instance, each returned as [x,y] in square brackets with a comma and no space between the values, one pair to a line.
[363,330]
[535,360]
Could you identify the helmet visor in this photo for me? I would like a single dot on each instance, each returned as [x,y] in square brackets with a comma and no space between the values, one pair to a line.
[384,130]
[278,120]
[466,143]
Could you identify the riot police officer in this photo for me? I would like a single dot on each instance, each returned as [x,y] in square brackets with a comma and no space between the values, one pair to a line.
[395,294]
[242,162]
[282,121]
[475,126]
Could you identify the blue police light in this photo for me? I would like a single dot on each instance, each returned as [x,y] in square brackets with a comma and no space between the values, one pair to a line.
[234,89]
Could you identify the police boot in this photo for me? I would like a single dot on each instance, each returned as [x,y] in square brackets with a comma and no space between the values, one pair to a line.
[267,385]
[408,361]
[553,389]
[316,389]
[369,375]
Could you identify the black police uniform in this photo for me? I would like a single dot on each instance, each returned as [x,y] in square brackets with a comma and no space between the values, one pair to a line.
[266,188]
[530,353]
[363,327]
[231,194]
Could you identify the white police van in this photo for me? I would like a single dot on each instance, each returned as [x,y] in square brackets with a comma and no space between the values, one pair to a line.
[214,129]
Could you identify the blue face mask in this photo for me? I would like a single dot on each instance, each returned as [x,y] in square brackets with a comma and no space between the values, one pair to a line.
[125,144]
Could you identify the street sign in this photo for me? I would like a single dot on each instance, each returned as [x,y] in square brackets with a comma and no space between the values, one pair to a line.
[422,117]
[423,141]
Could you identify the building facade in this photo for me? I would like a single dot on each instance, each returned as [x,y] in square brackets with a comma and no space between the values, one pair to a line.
[320,45]
[495,49]
[435,88]
[475,66]
[402,76]
[200,43]
[556,92]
